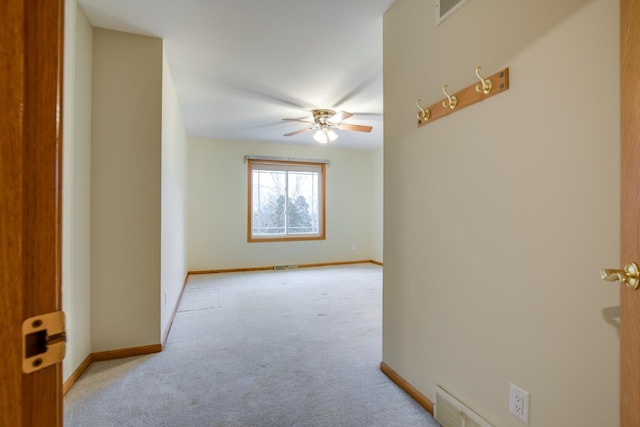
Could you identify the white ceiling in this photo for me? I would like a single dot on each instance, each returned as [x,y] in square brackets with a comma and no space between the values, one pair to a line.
[241,66]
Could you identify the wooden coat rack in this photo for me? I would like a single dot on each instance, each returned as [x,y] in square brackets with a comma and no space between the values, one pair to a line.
[488,87]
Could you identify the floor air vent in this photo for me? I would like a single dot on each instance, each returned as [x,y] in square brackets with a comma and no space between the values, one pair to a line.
[285,267]
[450,412]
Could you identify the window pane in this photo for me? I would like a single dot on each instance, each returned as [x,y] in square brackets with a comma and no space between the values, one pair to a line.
[303,203]
[268,202]
[286,201]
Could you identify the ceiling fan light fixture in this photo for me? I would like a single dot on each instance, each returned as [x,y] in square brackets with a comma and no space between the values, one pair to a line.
[325,135]
[325,122]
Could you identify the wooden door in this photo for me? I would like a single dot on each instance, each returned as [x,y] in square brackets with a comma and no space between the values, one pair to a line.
[30,202]
[630,216]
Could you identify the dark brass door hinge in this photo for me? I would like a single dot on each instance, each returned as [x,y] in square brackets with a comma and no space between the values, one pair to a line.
[43,341]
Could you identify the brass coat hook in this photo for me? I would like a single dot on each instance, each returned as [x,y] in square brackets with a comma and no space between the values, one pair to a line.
[424,113]
[451,100]
[486,83]
[630,275]
[493,84]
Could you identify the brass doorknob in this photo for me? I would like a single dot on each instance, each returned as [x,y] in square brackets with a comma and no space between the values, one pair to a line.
[630,275]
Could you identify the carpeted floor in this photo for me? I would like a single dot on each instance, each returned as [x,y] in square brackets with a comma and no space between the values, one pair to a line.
[287,348]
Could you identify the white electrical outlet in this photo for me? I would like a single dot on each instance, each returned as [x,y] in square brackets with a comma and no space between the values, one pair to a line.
[519,403]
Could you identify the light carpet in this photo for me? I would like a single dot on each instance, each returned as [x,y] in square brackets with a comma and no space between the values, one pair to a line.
[268,349]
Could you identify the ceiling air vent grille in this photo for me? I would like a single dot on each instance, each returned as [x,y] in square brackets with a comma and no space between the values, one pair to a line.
[445,8]
[450,412]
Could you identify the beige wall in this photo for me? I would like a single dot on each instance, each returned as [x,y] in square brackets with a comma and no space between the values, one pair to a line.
[377,170]
[174,201]
[76,197]
[498,218]
[217,207]
[126,190]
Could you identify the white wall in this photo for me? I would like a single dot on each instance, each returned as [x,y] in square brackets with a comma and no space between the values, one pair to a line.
[498,217]
[126,190]
[217,207]
[174,201]
[76,196]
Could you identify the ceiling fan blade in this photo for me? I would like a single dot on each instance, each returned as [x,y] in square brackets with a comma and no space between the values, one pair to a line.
[357,128]
[299,120]
[339,116]
[298,132]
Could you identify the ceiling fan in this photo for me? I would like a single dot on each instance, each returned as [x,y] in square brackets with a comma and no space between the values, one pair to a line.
[325,122]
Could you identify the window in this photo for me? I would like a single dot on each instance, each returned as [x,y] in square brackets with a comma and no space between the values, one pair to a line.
[286,200]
